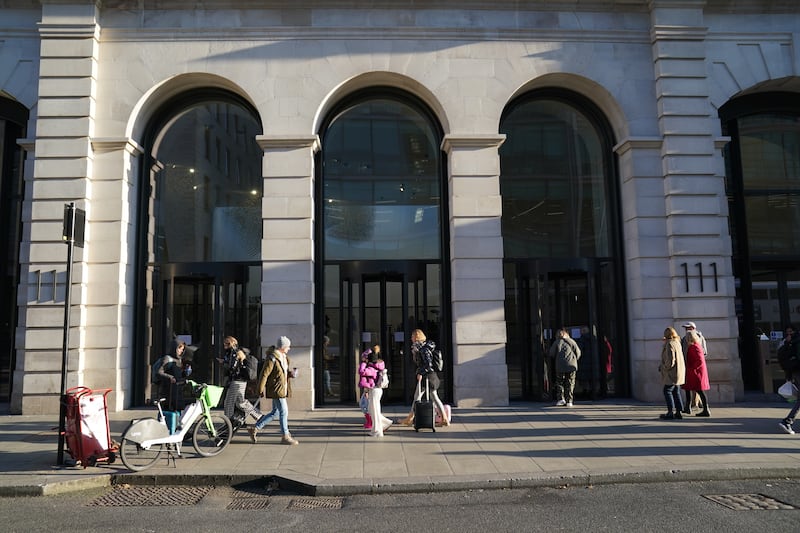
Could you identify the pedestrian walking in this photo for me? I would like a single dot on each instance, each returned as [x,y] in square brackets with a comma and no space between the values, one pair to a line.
[238,376]
[275,382]
[673,373]
[692,398]
[696,371]
[422,350]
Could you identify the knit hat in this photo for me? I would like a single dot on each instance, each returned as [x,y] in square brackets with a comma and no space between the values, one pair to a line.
[283,342]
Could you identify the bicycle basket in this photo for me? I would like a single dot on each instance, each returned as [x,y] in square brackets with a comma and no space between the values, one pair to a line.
[212,395]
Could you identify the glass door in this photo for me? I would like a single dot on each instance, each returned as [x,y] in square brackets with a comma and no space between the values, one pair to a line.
[202,308]
[376,304]
[538,303]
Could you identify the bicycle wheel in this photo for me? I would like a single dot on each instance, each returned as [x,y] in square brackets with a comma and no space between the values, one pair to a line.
[205,442]
[137,458]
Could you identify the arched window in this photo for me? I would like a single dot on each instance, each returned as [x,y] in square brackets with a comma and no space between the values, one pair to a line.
[554,186]
[200,231]
[763,187]
[382,192]
[562,245]
[208,191]
[13,118]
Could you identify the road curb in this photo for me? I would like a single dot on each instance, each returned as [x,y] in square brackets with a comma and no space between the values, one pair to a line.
[311,486]
[52,488]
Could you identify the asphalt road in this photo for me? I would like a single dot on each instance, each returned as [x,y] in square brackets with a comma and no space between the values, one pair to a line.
[673,507]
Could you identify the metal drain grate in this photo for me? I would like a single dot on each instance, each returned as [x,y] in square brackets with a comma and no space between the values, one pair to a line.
[247,497]
[314,503]
[128,496]
[246,504]
[749,502]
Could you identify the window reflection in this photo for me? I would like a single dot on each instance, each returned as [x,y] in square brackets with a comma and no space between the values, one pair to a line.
[553,183]
[208,192]
[770,146]
[382,187]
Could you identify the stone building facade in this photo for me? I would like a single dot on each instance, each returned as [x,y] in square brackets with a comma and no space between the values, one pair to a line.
[101,85]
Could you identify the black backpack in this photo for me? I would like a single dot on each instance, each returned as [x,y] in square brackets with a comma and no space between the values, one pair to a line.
[437,360]
[155,377]
[252,364]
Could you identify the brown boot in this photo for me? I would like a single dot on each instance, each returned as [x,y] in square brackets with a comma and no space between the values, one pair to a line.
[407,421]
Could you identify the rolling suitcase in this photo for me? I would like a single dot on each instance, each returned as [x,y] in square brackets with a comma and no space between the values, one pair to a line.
[423,411]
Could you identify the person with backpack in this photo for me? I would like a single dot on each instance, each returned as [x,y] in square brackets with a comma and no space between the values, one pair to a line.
[169,374]
[424,353]
[240,370]
[789,359]
[275,382]
[371,372]
[565,353]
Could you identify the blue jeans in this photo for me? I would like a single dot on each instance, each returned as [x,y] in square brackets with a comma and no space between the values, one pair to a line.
[279,409]
[672,394]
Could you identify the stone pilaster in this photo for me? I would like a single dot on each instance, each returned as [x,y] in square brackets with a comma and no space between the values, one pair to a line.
[287,252]
[480,375]
[67,81]
[698,245]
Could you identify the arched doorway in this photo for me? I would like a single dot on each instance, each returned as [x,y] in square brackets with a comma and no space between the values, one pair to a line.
[763,187]
[199,231]
[562,250]
[13,120]
[380,237]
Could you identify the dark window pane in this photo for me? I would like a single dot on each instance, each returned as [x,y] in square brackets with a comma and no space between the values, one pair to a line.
[773,224]
[770,151]
[553,183]
[203,212]
[382,186]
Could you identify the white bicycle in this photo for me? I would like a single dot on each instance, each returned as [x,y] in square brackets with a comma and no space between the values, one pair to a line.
[146,438]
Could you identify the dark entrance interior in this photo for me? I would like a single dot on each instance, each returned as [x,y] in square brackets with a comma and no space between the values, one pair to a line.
[543,296]
[376,302]
[201,303]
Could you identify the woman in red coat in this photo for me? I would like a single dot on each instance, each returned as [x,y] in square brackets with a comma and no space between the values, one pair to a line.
[696,372]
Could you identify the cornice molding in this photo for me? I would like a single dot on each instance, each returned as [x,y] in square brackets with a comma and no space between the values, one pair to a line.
[638,143]
[105,145]
[69,31]
[471,141]
[283,142]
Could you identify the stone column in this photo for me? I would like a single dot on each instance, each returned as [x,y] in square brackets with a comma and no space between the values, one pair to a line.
[287,252]
[480,375]
[698,245]
[68,68]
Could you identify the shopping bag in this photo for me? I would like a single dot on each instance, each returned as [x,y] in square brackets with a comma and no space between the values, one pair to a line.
[788,391]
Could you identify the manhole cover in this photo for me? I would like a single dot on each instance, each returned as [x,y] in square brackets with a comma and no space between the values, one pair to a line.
[128,496]
[315,503]
[748,502]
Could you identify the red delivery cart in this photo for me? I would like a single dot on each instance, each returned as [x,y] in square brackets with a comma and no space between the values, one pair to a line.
[86,432]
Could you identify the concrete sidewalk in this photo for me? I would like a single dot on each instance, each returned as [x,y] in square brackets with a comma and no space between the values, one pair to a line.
[525,444]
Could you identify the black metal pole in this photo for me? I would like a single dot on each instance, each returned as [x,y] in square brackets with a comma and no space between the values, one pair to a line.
[62,425]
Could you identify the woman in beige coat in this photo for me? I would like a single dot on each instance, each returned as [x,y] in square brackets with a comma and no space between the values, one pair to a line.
[673,374]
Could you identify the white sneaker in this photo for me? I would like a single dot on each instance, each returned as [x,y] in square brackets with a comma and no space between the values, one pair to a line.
[388,425]
[560,403]
[569,404]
